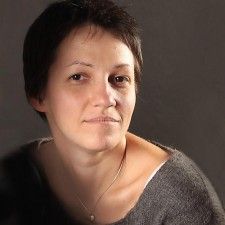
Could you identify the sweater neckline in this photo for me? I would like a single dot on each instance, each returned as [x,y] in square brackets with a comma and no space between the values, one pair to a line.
[44,183]
[173,154]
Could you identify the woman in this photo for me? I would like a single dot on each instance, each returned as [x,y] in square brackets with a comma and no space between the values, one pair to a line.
[82,64]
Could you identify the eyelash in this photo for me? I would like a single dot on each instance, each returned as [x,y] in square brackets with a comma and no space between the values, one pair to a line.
[79,75]
[116,80]
[113,79]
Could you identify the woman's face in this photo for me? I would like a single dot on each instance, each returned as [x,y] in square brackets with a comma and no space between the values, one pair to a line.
[90,94]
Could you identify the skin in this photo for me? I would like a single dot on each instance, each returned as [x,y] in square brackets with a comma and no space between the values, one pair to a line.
[83,89]
[89,101]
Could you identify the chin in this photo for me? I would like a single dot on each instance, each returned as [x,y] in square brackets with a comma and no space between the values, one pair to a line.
[102,142]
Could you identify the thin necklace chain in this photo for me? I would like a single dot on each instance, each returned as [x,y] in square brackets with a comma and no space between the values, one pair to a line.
[91,212]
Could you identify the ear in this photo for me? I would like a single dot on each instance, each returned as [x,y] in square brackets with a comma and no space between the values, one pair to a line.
[37,104]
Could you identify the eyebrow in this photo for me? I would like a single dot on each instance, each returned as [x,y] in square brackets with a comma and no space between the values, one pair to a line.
[77,62]
[121,65]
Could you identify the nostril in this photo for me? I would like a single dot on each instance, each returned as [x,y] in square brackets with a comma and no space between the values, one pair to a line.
[103,97]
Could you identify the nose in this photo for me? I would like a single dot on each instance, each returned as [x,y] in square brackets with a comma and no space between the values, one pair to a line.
[103,95]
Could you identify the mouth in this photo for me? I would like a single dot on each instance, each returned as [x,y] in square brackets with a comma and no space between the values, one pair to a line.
[102,119]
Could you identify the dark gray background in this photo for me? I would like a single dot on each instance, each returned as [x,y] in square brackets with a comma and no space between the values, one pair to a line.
[181,103]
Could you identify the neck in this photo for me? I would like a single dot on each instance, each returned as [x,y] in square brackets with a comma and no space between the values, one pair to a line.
[87,169]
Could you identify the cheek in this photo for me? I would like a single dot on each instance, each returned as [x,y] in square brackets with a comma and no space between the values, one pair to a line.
[64,102]
[128,104]
[132,103]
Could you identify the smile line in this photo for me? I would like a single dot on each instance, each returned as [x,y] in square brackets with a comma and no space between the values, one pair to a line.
[101,120]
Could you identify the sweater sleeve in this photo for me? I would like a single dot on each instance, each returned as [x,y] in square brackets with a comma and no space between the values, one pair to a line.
[7,198]
[195,201]
[19,187]
[200,211]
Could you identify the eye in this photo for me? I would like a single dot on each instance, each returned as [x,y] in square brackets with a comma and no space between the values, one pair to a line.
[77,77]
[119,80]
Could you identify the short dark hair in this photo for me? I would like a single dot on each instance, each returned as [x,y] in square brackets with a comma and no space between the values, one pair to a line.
[57,21]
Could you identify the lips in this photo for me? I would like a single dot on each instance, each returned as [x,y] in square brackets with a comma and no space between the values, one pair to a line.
[101,119]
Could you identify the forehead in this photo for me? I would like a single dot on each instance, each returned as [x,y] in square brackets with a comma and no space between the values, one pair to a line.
[93,42]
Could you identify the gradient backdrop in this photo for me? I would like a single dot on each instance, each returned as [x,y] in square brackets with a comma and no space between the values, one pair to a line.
[181,102]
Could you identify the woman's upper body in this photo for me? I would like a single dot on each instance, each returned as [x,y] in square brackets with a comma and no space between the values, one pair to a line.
[173,191]
[121,196]
[82,63]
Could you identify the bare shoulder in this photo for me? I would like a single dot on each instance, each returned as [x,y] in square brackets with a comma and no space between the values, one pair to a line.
[143,156]
[142,161]
[146,149]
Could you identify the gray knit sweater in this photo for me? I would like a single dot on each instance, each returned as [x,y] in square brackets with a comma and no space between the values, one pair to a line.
[178,194]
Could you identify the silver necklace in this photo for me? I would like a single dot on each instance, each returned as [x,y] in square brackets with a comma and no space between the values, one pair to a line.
[90,213]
